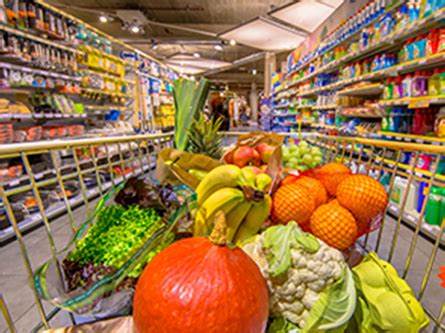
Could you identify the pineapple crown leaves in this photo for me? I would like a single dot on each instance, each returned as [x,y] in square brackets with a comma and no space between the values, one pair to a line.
[204,137]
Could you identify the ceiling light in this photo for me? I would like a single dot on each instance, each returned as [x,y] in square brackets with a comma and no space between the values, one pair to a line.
[307,15]
[103,18]
[254,71]
[133,27]
[218,47]
[196,55]
[265,34]
[232,42]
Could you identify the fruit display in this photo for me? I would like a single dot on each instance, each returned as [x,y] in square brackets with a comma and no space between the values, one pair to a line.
[301,157]
[309,282]
[238,193]
[200,285]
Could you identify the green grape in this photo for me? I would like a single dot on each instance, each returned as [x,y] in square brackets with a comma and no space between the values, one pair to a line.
[292,149]
[293,160]
[304,145]
[307,159]
[318,160]
[286,156]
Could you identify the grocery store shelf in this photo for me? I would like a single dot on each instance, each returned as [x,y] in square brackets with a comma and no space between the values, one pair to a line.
[367,90]
[415,102]
[330,127]
[284,114]
[324,107]
[59,208]
[411,138]
[384,43]
[411,220]
[360,112]
[405,67]
[37,116]
[37,71]
[108,93]
[106,75]
[31,36]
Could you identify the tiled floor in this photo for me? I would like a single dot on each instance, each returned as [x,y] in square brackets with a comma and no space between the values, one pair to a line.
[20,300]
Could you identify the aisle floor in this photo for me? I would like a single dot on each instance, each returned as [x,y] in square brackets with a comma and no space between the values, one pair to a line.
[20,299]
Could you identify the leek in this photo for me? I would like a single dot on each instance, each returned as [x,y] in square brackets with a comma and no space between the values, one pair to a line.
[189,98]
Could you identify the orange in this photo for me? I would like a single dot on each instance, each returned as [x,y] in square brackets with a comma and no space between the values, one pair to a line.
[293,203]
[334,225]
[315,188]
[331,175]
[364,196]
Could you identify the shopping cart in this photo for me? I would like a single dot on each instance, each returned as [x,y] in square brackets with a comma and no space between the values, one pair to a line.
[413,246]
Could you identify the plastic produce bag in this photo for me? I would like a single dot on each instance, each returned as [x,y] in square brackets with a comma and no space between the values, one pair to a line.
[103,290]
[386,303]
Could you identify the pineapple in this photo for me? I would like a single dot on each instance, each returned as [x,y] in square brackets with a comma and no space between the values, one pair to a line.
[204,137]
[293,203]
[334,225]
[364,196]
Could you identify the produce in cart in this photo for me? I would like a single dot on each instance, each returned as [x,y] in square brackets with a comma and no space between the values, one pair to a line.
[240,194]
[200,285]
[309,282]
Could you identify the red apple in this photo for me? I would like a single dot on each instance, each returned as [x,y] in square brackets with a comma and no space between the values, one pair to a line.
[229,158]
[265,150]
[246,155]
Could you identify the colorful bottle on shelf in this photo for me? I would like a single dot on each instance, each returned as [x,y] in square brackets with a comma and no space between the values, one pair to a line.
[434,83]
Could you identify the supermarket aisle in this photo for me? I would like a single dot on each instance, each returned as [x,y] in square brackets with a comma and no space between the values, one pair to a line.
[13,279]
[14,284]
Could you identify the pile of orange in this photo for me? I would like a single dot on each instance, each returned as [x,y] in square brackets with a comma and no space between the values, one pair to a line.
[355,202]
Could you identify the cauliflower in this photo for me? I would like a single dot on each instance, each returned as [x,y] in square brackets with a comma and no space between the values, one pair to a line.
[297,267]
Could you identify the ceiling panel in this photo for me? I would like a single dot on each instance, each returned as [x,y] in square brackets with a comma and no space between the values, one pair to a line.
[307,14]
[265,35]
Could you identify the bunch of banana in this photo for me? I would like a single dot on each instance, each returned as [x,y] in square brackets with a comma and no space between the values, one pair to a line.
[240,195]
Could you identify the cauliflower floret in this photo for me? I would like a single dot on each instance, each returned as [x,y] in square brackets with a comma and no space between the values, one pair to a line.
[295,290]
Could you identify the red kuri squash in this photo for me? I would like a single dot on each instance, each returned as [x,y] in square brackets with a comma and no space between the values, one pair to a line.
[200,285]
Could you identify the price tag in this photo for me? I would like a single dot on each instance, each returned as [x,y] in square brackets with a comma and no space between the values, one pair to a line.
[38,175]
[419,104]
[419,140]
[35,218]
[38,115]
[411,218]
[66,115]
[398,138]
[14,182]
[57,116]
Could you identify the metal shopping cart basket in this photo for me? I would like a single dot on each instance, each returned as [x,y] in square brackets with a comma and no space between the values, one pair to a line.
[411,237]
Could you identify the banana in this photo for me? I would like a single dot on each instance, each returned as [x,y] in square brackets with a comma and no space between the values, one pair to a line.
[253,220]
[249,177]
[262,181]
[223,200]
[235,217]
[223,176]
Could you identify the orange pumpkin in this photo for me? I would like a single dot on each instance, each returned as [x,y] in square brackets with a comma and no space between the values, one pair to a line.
[197,285]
